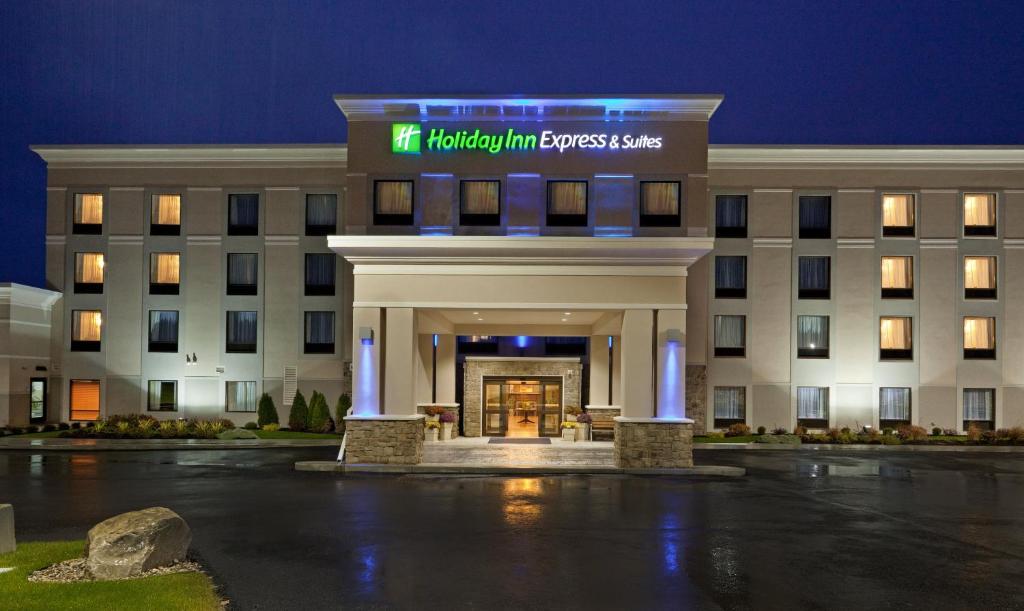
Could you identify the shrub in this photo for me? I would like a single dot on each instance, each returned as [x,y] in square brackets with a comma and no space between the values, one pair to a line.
[778,439]
[76,425]
[799,430]
[936,431]
[145,426]
[13,430]
[273,426]
[181,428]
[216,427]
[328,426]
[167,428]
[238,434]
[48,428]
[340,411]
[716,435]
[1016,434]
[737,430]
[266,413]
[780,430]
[888,431]
[203,429]
[251,426]
[890,440]
[319,413]
[761,430]
[988,436]
[583,418]
[912,433]
[63,426]
[952,432]
[299,414]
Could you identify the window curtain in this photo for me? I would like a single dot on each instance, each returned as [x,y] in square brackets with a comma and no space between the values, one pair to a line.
[979,404]
[87,325]
[241,396]
[166,210]
[89,208]
[730,402]
[567,198]
[897,272]
[89,267]
[815,212]
[980,209]
[813,273]
[242,269]
[811,403]
[320,269]
[729,331]
[812,332]
[164,268]
[979,333]
[731,211]
[894,404]
[244,210]
[241,327]
[162,395]
[898,210]
[659,198]
[393,197]
[896,333]
[980,272]
[322,209]
[319,327]
[730,272]
[85,399]
[163,326]
[480,196]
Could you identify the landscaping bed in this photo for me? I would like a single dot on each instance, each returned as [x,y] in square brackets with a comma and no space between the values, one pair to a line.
[904,435]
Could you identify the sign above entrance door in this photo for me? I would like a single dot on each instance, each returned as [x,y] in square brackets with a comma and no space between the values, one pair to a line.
[409,139]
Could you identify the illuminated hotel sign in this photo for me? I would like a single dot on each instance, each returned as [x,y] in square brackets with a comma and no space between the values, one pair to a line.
[409,138]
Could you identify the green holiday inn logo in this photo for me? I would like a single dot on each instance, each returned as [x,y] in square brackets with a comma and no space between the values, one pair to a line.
[405,138]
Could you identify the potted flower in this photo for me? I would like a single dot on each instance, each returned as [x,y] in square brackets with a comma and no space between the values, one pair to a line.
[431,427]
[433,411]
[583,427]
[571,412]
[568,431]
[447,420]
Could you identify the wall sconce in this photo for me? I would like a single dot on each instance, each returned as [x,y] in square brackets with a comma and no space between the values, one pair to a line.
[366,336]
[673,336]
[191,361]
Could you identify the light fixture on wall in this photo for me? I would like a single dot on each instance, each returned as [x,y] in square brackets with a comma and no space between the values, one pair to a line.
[366,336]
[673,336]
[191,360]
[188,359]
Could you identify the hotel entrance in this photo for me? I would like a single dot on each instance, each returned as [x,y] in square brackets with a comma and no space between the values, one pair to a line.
[522,406]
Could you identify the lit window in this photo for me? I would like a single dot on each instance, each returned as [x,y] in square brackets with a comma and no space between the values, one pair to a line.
[815,217]
[163,331]
[319,333]
[480,202]
[567,203]
[166,215]
[731,216]
[242,273]
[85,399]
[393,202]
[812,336]
[979,337]
[321,214]
[730,335]
[730,277]
[979,408]
[241,332]
[89,272]
[896,338]
[812,406]
[86,330]
[164,276]
[243,214]
[898,215]
[660,204]
[730,405]
[814,278]
[241,397]
[88,213]
[893,406]
[163,396]
[979,277]
[897,277]
[979,214]
[320,273]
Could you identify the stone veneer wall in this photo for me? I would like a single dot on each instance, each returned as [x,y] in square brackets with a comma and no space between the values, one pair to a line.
[653,445]
[378,440]
[697,397]
[474,370]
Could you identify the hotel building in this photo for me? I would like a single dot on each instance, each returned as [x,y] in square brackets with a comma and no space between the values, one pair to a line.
[511,257]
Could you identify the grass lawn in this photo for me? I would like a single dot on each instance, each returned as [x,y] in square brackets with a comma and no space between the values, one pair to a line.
[740,439]
[295,435]
[191,591]
[46,435]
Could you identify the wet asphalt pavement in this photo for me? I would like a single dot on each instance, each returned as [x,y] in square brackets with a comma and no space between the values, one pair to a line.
[802,531]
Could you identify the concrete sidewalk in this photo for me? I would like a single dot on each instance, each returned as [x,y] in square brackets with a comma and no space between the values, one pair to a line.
[523,469]
[838,447]
[103,445]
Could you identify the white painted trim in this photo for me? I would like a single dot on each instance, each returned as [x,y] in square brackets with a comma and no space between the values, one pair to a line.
[1013,191]
[1013,243]
[280,188]
[15,321]
[773,242]
[56,188]
[935,191]
[127,188]
[24,356]
[855,243]
[97,156]
[721,157]
[855,190]
[517,270]
[653,420]
[385,417]
[939,242]
[773,190]
[205,188]
[469,305]
[56,240]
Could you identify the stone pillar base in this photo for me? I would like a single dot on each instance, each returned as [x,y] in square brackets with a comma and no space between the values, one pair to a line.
[391,440]
[653,443]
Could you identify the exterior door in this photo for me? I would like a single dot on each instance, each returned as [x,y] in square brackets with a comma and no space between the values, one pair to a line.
[495,415]
[37,400]
[549,421]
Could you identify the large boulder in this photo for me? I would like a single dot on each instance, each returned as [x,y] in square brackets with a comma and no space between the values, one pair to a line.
[129,544]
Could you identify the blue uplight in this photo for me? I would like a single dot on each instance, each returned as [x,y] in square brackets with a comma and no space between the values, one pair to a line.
[366,386]
[610,340]
[522,341]
[435,340]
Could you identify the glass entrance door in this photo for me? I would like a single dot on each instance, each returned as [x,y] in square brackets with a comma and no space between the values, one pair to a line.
[37,400]
[495,415]
[550,416]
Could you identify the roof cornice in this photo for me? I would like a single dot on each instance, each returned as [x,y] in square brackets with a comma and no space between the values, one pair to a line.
[737,157]
[304,155]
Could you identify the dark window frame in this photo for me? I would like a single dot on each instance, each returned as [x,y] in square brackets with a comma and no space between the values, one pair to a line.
[722,231]
[479,220]
[241,289]
[817,352]
[240,348]
[161,409]
[814,233]
[321,230]
[394,219]
[244,230]
[729,351]
[319,290]
[661,220]
[816,294]
[567,220]
[726,292]
[315,347]
[163,346]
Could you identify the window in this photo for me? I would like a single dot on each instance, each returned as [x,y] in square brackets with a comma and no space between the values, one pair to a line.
[893,406]
[812,337]
[164,273]
[88,214]
[163,331]
[85,399]
[979,408]
[319,333]
[480,202]
[730,405]
[730,277]
[979,337]
[244,214]
[813,277]
[567,203]
[242,273]
[163,396]
[37,400]
[660,204]
[979,214]
[979,277]
[731,216]
[241,397]
[89,272]
[812,406]
[241,332]
[165,217]
[815,217]
[86,330]
[730,335]
[320,273]
[392,202]
[321,214]
[898,215]
[897,277]
[896,338]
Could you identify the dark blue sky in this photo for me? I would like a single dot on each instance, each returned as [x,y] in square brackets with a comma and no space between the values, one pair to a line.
[868,72]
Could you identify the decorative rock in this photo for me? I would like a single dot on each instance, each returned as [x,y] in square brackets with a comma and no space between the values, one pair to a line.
[131,543]
[7,542]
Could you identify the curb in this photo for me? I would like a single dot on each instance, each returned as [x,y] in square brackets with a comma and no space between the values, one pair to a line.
[115,445]
[329,466]
[859,447]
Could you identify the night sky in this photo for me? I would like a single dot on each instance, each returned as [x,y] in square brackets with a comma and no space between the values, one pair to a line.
[140,72]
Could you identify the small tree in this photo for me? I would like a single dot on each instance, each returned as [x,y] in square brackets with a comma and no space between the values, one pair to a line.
[266,413]
[299,416]
[340,411]
[319,413]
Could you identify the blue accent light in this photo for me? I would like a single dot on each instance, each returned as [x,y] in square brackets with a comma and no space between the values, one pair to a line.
[436,230]
[523,231]
[610,340]
[435,340]
[671,408]
[437,175]
[613,231]
[522,341]
[613,176]
[524,175]
[365,391]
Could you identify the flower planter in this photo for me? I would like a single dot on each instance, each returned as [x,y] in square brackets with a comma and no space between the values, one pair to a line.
[568,434]
[446,430]
[430,434]
[582,432]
